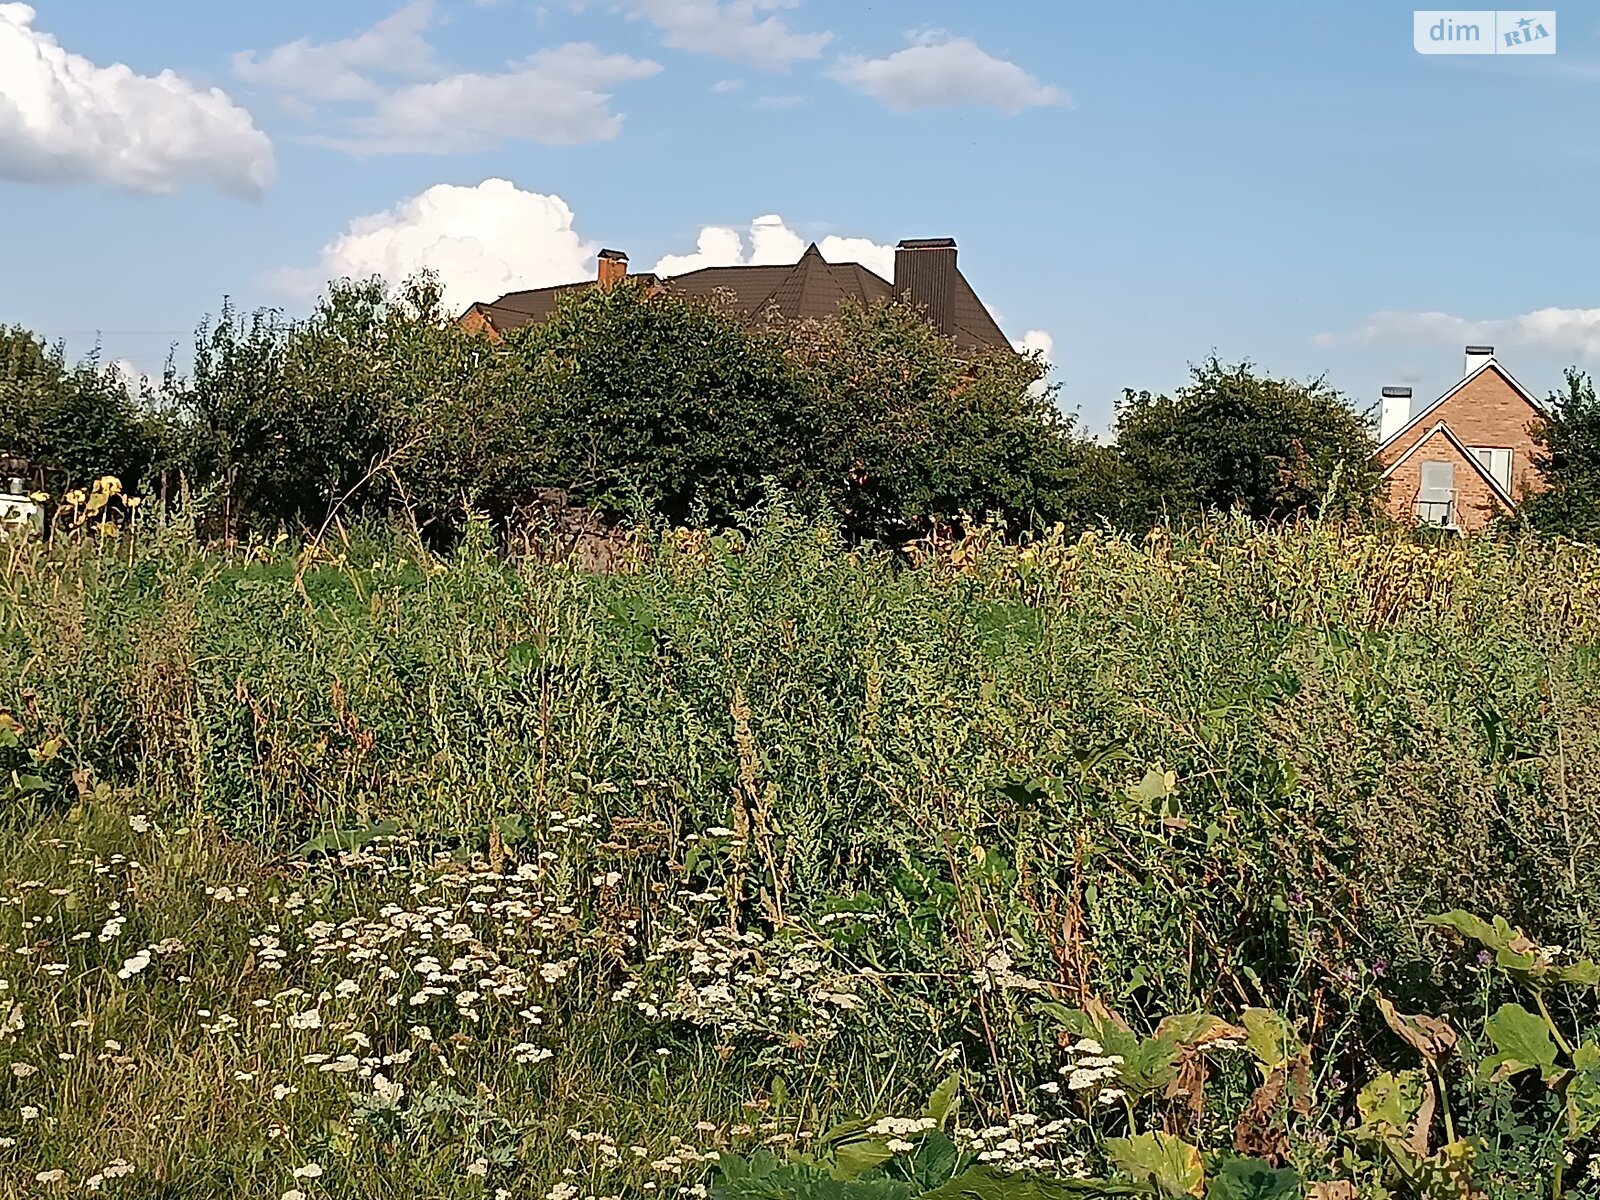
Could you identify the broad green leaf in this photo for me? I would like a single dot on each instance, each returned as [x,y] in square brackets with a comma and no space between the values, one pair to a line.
[1154,793]
[1172,1164]
[524,657]
[1581,973]
[1389,1106]
[512,831]
[944,1096]
[1518,955]
[934,1162]
[1443,1175]
[1582,1089]
[1252,1179]
[1522,1043]
[1148,1064]
[346,839]
[856,1158]
[1271,1038]
[1496,935]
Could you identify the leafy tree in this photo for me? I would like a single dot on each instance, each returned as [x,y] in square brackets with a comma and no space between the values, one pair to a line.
[74,422]
[654,398]
[359,408]
[1569,460]
[900,428]
[1235,439]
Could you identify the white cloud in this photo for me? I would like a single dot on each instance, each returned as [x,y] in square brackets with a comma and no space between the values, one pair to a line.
[771,241]
[743,30]
[1037,339]
[727,85]
[1574,331]
[65,120]
[494,238]
[343,70]
[482,241]
[556,97]
[393,96]
[939,70]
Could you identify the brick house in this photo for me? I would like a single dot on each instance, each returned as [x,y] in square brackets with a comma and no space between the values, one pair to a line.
[1467,457]
[925,275]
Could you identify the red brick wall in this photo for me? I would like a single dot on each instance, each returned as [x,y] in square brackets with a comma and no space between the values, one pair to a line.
[1475,502]
[473,321]
[1486,412]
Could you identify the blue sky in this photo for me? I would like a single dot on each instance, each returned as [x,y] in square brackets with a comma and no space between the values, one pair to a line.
[1142,183]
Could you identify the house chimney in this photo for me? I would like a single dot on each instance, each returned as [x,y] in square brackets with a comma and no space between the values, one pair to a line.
[925,275]
[1396,411]
[613,267]
[1476,357]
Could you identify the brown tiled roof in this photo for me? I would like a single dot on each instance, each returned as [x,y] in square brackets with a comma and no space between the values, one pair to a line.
[810,288]
[746,287]
[972,325]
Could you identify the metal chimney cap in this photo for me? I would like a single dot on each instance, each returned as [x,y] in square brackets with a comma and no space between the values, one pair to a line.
[614,255]
[1398,392]
[927,244]
[1480,349]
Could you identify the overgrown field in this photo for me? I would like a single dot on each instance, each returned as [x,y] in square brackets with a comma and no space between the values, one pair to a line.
[378,875]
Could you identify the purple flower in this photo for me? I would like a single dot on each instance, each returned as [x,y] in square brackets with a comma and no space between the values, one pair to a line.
[1483,958]
[1380,968]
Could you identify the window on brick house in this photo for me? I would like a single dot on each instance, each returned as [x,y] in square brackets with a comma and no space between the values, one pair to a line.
[1497,462]
[1436,493]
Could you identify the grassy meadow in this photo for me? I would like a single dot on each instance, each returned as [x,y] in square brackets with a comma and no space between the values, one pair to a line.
[775,867]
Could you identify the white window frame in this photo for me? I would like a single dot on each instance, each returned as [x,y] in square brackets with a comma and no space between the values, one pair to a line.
[1497,461]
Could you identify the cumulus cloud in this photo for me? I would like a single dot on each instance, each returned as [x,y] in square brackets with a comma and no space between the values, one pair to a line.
[1037,340]
[771,241]
[743,30]
[939,70]
[64,119]
[344,69]
[1574,331]
[482,242]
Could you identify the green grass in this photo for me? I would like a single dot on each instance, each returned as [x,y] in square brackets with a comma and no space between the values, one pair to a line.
[882,774]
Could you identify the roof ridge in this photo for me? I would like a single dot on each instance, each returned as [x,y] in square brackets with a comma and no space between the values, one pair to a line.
[1491,362]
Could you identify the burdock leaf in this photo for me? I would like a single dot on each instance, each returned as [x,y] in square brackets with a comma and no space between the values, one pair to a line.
[1271,1038]
[1252,1179]
[346,839]
[1170,1163]
[1522,1043]
[1582,1088]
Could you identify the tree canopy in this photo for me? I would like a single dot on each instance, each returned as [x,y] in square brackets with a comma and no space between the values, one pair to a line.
[1233,439]
[379,403]
[1568,458]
